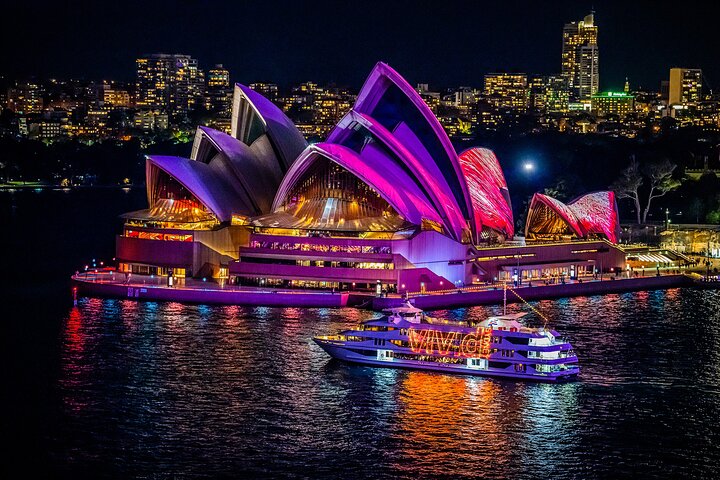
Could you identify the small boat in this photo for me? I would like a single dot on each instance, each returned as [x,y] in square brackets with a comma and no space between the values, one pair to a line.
[499,346]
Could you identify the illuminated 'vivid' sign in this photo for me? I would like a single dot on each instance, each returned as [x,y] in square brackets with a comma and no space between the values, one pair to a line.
[458,344]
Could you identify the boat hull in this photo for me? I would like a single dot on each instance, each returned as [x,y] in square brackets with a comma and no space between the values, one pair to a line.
[340,352]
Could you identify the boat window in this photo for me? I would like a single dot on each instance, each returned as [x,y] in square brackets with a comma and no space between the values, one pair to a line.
[498,364]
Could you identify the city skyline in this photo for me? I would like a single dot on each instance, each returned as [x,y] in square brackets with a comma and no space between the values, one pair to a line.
[279,42]
[293,239]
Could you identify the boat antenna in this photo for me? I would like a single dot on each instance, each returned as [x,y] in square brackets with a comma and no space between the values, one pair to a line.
[504,298]
[535,310]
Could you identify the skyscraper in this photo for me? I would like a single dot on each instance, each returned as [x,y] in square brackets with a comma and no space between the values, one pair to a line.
[580,58]
[613,103]
[507,90]
[267,90]
[26,98]
[218,94]
[218,76]
[685,86]
[549,93]
[171,83]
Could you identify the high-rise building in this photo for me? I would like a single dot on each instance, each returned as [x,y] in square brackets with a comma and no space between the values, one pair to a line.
[218,77]
[25,98]
[218,94]
[580,58]
[664,89]
[432,99]
[3,92]
[465,96]
[330,105]
[507,90]
[613,103]
[685,86]
[115,96]
[549,93]
[267,90]
[171,83]
[150,120]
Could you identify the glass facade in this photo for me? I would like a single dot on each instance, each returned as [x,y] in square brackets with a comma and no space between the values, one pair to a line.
[580,58]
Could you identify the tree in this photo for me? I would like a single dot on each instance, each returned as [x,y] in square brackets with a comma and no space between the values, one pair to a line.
[659,175]
[628,185]
[713,216]
[559,191]
[696,208]
[661,182]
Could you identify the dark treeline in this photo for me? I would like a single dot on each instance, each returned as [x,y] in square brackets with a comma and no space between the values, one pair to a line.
[563,165]
[566,166]
[107,162]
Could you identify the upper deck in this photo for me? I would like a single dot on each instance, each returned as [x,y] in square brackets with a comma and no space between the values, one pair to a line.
[501,325]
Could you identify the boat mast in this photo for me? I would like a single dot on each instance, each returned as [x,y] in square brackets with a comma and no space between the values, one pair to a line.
[525,302]
[504,298]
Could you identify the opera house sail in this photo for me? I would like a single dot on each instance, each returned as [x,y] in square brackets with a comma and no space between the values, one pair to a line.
[385,201]
[591,215]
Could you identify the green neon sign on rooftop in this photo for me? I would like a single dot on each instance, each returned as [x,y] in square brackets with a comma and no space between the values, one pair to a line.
[612,94]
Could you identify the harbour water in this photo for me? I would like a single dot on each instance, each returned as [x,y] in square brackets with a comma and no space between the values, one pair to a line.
[120,389]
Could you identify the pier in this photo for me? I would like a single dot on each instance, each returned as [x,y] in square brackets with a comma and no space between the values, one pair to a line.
[112,284]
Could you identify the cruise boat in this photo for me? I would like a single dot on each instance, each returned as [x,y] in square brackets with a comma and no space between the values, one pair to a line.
[499,346]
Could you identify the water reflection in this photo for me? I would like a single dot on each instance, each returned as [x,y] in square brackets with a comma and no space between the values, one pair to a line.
[550,420]
[208,390]
[73,369]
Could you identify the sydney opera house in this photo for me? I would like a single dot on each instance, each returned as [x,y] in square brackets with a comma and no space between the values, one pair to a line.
[385,202]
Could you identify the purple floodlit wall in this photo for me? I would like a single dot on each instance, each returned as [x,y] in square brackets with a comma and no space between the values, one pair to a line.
[214,295]
[536,292]
[597,252]
[438,253]
[382,97]
[154,252]
[387,179]
[328,274]
[428,257]
[327,241]
[488,191]
[415,279]
[259,252]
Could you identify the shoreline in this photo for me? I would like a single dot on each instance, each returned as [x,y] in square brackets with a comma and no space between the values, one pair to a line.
[541,292]
[215,294]
[38,186]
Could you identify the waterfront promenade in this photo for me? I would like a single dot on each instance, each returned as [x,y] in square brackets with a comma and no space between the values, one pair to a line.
[495,294]
[140,287]
[143,287]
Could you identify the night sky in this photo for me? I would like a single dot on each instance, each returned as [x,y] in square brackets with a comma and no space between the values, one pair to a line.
[444,43]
